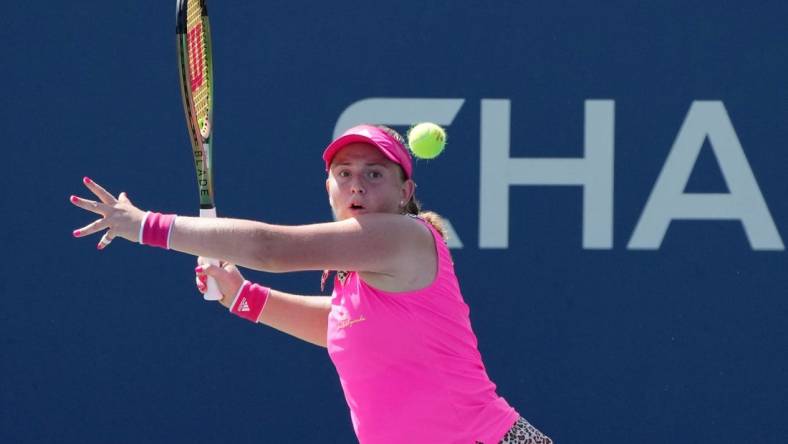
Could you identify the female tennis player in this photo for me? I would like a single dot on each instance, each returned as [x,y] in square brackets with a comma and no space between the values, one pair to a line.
[396,326]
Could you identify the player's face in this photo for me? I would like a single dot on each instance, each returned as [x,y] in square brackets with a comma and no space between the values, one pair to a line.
[362,180]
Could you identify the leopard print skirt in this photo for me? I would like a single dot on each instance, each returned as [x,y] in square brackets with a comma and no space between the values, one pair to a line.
[524,433]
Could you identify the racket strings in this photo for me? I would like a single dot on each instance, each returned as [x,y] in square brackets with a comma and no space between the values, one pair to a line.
[198,65]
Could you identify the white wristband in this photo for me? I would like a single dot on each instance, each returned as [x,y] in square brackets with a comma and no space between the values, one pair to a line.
[142,225]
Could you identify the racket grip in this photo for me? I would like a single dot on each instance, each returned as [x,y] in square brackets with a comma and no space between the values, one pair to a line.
[212,293]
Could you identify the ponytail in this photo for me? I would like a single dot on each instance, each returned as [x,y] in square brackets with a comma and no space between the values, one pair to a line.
[414,207]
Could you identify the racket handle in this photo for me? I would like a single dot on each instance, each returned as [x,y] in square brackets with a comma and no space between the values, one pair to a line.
[212,293]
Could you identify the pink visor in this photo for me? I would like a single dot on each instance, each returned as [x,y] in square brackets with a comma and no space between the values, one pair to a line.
[380,139]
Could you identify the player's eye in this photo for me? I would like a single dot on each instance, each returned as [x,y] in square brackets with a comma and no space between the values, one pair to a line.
[374,174]
[344,173]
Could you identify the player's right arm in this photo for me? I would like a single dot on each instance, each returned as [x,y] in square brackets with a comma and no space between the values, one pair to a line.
[305,317]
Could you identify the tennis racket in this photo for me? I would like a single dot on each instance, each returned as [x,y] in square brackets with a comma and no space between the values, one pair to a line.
[193,35]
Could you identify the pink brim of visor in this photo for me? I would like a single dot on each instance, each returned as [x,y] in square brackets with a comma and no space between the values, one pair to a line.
[380,139]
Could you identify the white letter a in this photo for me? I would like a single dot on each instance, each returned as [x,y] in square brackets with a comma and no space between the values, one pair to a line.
[744,202]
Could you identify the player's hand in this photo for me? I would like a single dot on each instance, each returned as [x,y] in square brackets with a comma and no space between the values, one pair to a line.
[228,279]
[118,215]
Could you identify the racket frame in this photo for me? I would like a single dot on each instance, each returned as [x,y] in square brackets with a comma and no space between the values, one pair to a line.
[201,146]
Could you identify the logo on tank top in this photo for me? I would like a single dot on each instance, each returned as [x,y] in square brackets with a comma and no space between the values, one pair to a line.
[349,322]
[343,317]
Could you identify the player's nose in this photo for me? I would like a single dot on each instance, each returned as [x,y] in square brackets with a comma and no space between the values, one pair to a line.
[356,187]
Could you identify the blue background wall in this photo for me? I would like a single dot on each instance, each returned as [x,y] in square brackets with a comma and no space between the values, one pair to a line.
[686,343]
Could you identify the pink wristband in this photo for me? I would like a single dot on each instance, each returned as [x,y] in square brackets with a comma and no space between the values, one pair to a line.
[155,229]
[250,301]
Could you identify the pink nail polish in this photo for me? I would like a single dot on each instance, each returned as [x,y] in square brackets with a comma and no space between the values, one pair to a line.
[76,233]
[73,199]
[198,269]
[86,179]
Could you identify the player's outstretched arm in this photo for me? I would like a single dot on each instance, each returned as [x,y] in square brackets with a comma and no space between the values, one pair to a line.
[379,243]
[232,240]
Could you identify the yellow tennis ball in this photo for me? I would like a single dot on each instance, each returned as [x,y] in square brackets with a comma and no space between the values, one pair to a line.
[426,140]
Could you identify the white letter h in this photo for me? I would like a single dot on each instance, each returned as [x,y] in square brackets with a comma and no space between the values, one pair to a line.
[594,173]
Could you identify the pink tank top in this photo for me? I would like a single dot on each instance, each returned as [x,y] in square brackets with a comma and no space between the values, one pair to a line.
[409,363]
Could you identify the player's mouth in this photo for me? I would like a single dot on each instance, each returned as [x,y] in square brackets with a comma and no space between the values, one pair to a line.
[356,207]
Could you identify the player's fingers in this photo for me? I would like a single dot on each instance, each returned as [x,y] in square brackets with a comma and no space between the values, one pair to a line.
[90,205]
[105,240]
[205,269]
[99,191]
[200,285]
[124,197]
[201,277]
[91,228]
[213,271]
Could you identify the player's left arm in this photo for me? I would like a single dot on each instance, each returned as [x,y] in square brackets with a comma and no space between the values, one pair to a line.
[379,243]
